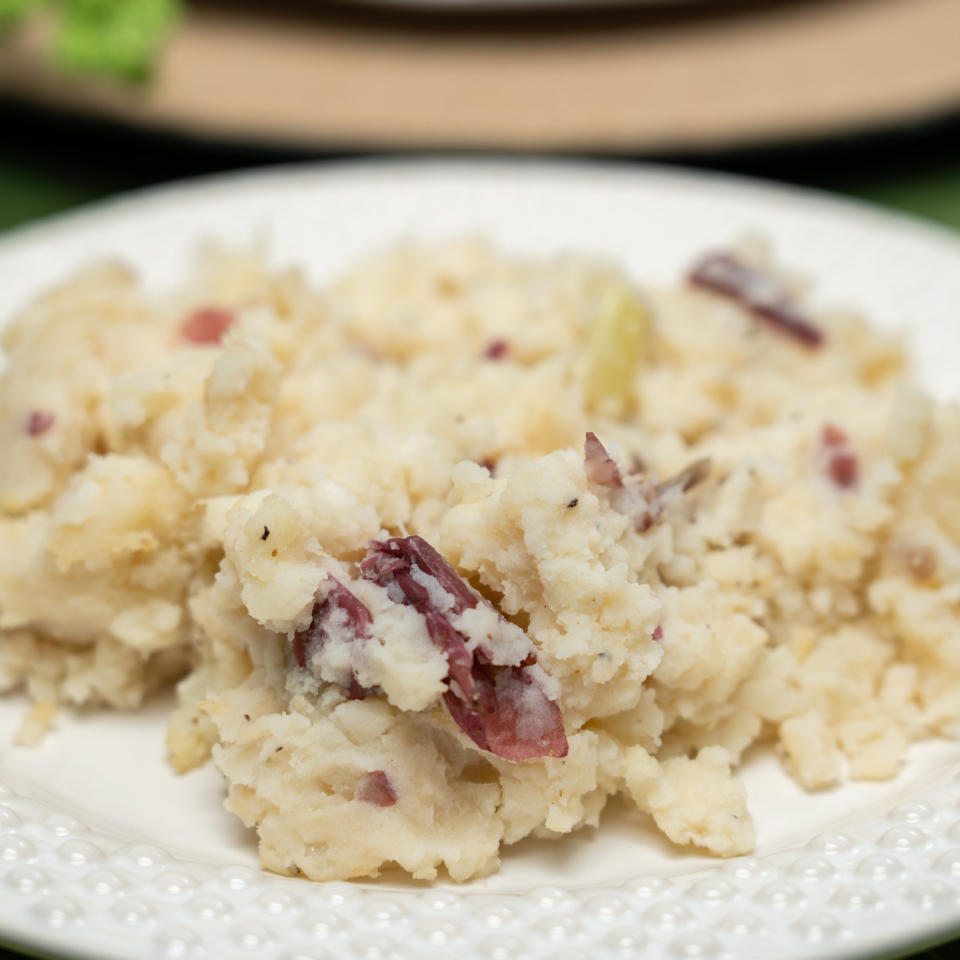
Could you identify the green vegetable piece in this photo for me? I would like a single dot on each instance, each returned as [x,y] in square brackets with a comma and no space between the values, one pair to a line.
[12,11]
[119,38]
[613,351]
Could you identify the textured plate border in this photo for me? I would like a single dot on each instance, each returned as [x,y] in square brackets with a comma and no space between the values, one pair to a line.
[888,884]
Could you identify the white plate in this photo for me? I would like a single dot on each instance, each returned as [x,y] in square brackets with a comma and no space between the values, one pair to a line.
[104,853]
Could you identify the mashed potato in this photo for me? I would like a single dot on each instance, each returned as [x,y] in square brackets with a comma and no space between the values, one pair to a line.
[451,551]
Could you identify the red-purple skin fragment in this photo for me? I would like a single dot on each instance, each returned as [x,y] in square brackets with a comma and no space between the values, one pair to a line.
[376,788]
[600,467]
[501,707]
[844,469]
[723,274]
[207,325]
[497,349]
[38,422]
[833,436]
[389,563]
[843,465]
[358,621]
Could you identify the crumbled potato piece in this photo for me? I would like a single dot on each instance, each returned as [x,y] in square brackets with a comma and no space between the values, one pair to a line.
[36,724]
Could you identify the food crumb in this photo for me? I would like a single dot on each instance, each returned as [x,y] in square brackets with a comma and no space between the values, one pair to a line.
[919,558]
[36,724]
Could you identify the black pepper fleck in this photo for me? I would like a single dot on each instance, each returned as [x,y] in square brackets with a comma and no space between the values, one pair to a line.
[573,502]
[265,534]
[246,716]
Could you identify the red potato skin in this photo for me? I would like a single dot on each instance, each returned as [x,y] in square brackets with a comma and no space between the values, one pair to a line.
[38,422]
[843,465]
[359,621]
[500,707]
[207,326]
[377,788]
[723,274]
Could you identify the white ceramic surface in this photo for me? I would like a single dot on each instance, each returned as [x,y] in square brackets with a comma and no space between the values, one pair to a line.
[104,853]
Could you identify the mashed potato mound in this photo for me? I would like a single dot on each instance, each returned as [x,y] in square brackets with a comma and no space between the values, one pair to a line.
[451,551]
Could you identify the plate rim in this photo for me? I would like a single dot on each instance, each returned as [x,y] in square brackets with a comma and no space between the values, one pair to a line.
[478,166]
[352,171]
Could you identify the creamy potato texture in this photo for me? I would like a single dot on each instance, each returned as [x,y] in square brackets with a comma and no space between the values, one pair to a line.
[452,550]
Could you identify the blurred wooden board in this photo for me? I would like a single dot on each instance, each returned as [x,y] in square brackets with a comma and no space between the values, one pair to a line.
[626,79]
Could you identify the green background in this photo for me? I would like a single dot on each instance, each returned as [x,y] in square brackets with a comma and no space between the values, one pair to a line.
[50,163]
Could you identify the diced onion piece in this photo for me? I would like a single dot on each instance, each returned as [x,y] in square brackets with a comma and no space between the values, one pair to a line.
[614,349]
